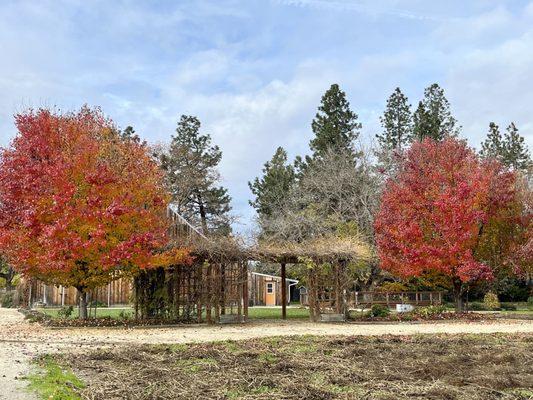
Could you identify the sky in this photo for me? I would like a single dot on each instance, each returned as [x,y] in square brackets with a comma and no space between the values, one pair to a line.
[253,71]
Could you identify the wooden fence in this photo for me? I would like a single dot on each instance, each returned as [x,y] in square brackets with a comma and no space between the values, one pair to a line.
[365,299]
[117,292]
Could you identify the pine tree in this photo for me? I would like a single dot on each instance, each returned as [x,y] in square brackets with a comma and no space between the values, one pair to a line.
[510,149]
[433,117]
[129,134]
[193,179]
[271,189]
[515,152]
[397,122]
[493,147]
[335,125]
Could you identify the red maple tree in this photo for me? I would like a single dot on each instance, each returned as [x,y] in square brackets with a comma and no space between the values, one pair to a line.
[80,205]
[433,213]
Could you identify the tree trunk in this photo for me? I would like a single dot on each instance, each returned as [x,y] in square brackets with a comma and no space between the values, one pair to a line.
[458,292]
[203,215]
[83,303]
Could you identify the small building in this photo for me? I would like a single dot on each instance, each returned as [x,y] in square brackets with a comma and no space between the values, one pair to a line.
[265,290]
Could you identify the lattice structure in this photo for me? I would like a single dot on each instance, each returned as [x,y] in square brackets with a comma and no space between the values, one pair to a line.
[328,284]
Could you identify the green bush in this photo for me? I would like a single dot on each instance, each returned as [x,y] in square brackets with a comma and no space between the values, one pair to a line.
[6,299]
[477,306]
[508,306]
[65,312]
[530,303]
[378,310]
[429,311]
[491,301]
[124,315]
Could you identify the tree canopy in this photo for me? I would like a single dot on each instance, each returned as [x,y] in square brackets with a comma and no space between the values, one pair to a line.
[510,149]
[80,206]
[192,177]
[335,124]
[433,117]
[433,213]
[274,186]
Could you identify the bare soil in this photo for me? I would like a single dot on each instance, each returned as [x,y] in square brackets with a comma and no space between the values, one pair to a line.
[20,340]
[480,367]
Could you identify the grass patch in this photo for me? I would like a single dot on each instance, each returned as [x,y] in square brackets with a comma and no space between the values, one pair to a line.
[102,312]
[197,364]
[119,313]
[54,382]
[275,313]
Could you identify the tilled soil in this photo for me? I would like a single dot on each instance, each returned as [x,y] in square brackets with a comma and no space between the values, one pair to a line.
[497,366]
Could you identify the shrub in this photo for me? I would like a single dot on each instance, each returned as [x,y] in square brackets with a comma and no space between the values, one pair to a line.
[491,301]
[429,311]
[378,310]
[6,299]
[530,303]
[96,303]
[477,306]
[508,306]
[65,312]
[124,315]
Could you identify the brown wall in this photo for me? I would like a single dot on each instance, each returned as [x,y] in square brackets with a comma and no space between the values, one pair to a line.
[117,292]
[257,285]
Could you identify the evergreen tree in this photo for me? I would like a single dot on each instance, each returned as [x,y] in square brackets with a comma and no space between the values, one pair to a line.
[397,122]
[433,117]
[335,125]
[493,147]
[193,179]
[510,149]
[515,152]
[272,188]
[129,134]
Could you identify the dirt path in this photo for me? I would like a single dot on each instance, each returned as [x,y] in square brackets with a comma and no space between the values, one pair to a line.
[14,360]
[20,341]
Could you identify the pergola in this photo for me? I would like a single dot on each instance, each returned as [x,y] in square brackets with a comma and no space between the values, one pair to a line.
[221,281]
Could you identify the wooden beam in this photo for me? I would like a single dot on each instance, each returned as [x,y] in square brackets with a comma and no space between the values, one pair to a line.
[245,290]
[283,292]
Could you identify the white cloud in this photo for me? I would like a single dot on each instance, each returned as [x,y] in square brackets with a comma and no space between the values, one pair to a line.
[254,75]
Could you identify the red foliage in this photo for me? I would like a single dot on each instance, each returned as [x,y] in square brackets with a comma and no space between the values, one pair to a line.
[433,212]
[78,202]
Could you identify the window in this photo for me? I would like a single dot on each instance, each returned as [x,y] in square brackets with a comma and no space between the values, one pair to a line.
[270,288]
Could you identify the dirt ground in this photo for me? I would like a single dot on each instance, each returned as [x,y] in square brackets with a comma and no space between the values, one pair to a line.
[444,367]
[19,340]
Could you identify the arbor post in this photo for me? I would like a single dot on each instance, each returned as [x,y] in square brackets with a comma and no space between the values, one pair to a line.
[283,292]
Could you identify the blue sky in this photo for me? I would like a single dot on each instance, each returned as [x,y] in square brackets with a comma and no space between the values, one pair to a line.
[254,71]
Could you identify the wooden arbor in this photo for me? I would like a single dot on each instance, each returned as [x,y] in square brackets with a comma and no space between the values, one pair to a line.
[327,279]
[221,290]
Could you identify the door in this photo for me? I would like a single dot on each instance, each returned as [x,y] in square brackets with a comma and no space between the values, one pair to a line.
[270,294]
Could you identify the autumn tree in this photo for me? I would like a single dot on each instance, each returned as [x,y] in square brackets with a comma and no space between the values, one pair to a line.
[433,117]
[192,177]
[434,214]
[79,205]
